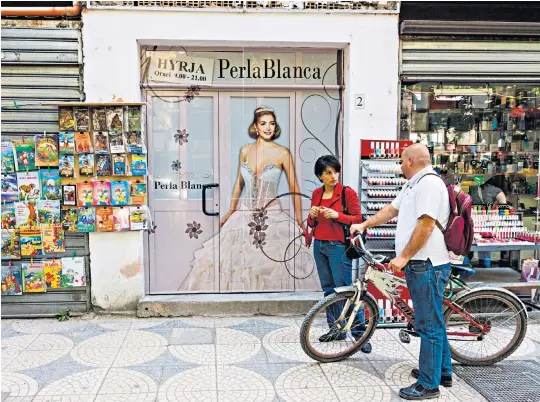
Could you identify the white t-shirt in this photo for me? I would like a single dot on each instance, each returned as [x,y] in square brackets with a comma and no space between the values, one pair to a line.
[427,197]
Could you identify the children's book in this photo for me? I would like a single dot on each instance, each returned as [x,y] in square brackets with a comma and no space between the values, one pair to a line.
[73,272]
[50,184]
[29,188]
[134,118]
[31,243]
[101,193]
[115,119]
[69,195]
[103,165]
[70,219]
[10,189]
[86,164]
[86,220]
[104,219]
[8,216]
[137,193]
[66,120]
[25,154]
[83,142]
[54,240]
[8,157]
[11,249]
[52,269]
[99,119]
[137,218]
[67,166]
[82,119]
[48,211]
[33,277]
[119,165]
[46,150]
[117,143]
[135,143]
[84,194]
[26,215]
[66,142]
[138,165]
[121,219]
[119,192]
[12,280]
[101,142]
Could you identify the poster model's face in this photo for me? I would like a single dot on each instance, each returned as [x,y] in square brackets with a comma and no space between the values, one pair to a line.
[266,126]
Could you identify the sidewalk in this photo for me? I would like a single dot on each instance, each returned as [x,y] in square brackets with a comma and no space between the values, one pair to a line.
[255,359]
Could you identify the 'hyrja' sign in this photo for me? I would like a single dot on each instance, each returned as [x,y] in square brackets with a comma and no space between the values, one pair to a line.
[176,68]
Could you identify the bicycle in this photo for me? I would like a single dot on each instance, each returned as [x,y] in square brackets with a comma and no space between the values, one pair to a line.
[471,316]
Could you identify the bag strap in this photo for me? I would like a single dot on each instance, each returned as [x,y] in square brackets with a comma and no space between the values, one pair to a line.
[346,233]
[437,223]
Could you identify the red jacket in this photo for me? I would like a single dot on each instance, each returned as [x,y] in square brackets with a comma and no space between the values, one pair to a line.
[332,229]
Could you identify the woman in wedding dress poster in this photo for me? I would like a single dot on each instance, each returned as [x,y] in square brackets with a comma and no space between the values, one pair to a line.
[261,246]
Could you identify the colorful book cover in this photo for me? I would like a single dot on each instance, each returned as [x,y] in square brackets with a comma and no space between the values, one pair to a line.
[10,189]
[99,119]
[104,219]
[26,215]
[135,143]
[138,165]
[54,240]
[119,192]
[70,219]
[117,143]
[134,118]
[31,243]
[66,141]
[101,142]
[46,150]
[29,188]
[69,195]
[67,166]
[102,193]
[73,272]
[25,154]
[52,269]
[48,211]
[11,249]
[137,218]
[34,278]
[121,219]
[119,165]
[86,220]
[103,165]
[8,216]
[84,194]
[51,184]
[12,280]
[137,193]
[115,119]
[86,164]
[8,157]
[83,142]
[82,119]
[66,120]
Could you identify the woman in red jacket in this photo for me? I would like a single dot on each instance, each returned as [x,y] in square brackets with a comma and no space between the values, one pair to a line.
[329,222]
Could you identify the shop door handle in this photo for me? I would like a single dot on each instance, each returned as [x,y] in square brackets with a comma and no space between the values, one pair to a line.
[204,188]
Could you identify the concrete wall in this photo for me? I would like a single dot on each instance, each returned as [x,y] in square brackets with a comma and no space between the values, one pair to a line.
[111,69]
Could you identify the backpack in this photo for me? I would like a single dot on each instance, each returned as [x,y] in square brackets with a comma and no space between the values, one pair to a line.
[459,232]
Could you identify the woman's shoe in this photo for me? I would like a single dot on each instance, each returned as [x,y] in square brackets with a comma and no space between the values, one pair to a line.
[332,336]
[366,348]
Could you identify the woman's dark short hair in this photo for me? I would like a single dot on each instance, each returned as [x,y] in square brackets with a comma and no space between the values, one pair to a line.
[325,162]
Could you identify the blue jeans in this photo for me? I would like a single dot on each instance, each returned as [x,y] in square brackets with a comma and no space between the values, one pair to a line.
[335,269]
[426,285]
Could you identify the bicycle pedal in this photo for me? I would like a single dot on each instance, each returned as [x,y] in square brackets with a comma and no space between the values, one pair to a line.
[404,337]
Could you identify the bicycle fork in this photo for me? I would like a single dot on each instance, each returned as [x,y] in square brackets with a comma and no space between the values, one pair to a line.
[357,304]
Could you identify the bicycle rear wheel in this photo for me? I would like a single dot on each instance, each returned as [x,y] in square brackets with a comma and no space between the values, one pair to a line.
[504,320]
[322,319]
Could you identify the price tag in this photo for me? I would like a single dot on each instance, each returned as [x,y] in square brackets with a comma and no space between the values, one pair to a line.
[359,101]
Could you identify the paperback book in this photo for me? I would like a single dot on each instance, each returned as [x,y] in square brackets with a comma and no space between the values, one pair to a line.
[31,243]
[8,157]
[11,249]
[115,118]
[83,142]
[8,216]
[52,270]
[104,219]
[67,166]
[50,184]
[48,211]
[137,218]
[66,119]
[29,188]
[10,189]
[84,194]
[70,219]
[103,165]
[119,191]
[25,154]
[99,119]
[119,165]
[102,193]
[11,280]
[54,240]
[86,164]
[101,142]
[138,165]
[66,141]
[135,143]
[46,150]
[73,272]
[69,195]
[134,118]
[137,194]
[121,219]
[86,220]
[33,277]
[26,215]
[82,119]
[117,142]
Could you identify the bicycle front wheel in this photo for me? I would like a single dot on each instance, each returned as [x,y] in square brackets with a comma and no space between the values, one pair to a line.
[504,323]
[323,335]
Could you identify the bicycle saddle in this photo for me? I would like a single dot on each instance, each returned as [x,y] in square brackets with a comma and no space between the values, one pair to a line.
[462,270]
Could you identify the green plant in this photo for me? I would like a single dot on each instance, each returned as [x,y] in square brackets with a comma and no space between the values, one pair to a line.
[63,315]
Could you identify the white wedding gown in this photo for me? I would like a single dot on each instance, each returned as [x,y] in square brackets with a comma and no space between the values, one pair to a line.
[257,251]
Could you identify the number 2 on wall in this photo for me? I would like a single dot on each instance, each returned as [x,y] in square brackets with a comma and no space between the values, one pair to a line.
[359,101]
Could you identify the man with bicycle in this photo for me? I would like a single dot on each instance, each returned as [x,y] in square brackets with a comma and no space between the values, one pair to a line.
[421,252]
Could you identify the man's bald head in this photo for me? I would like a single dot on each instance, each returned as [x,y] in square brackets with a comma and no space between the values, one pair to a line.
[415,158]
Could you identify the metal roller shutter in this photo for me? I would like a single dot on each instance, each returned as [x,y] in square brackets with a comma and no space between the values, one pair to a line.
[39,64]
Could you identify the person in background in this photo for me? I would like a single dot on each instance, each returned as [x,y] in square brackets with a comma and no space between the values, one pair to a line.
[327,219]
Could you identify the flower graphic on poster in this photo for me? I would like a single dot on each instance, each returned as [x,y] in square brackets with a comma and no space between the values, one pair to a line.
[194,230]
[192,92]
[181,136]
[258,227]
[176,165]
[259,240]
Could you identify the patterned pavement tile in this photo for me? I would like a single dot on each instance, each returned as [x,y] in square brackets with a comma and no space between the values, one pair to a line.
[283,345]
[82,386]
[17,385]
[129,385]
[31,351]
[192,336]
[49,326]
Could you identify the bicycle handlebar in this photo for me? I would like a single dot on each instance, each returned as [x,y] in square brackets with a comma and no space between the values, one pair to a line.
[358,241]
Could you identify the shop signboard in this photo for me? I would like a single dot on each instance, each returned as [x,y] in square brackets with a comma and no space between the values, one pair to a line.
[178,68]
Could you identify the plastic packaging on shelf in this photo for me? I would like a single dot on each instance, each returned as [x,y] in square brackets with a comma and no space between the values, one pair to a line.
[386,181]
[376,206]
[381,233]
[394,168]
[382,193]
